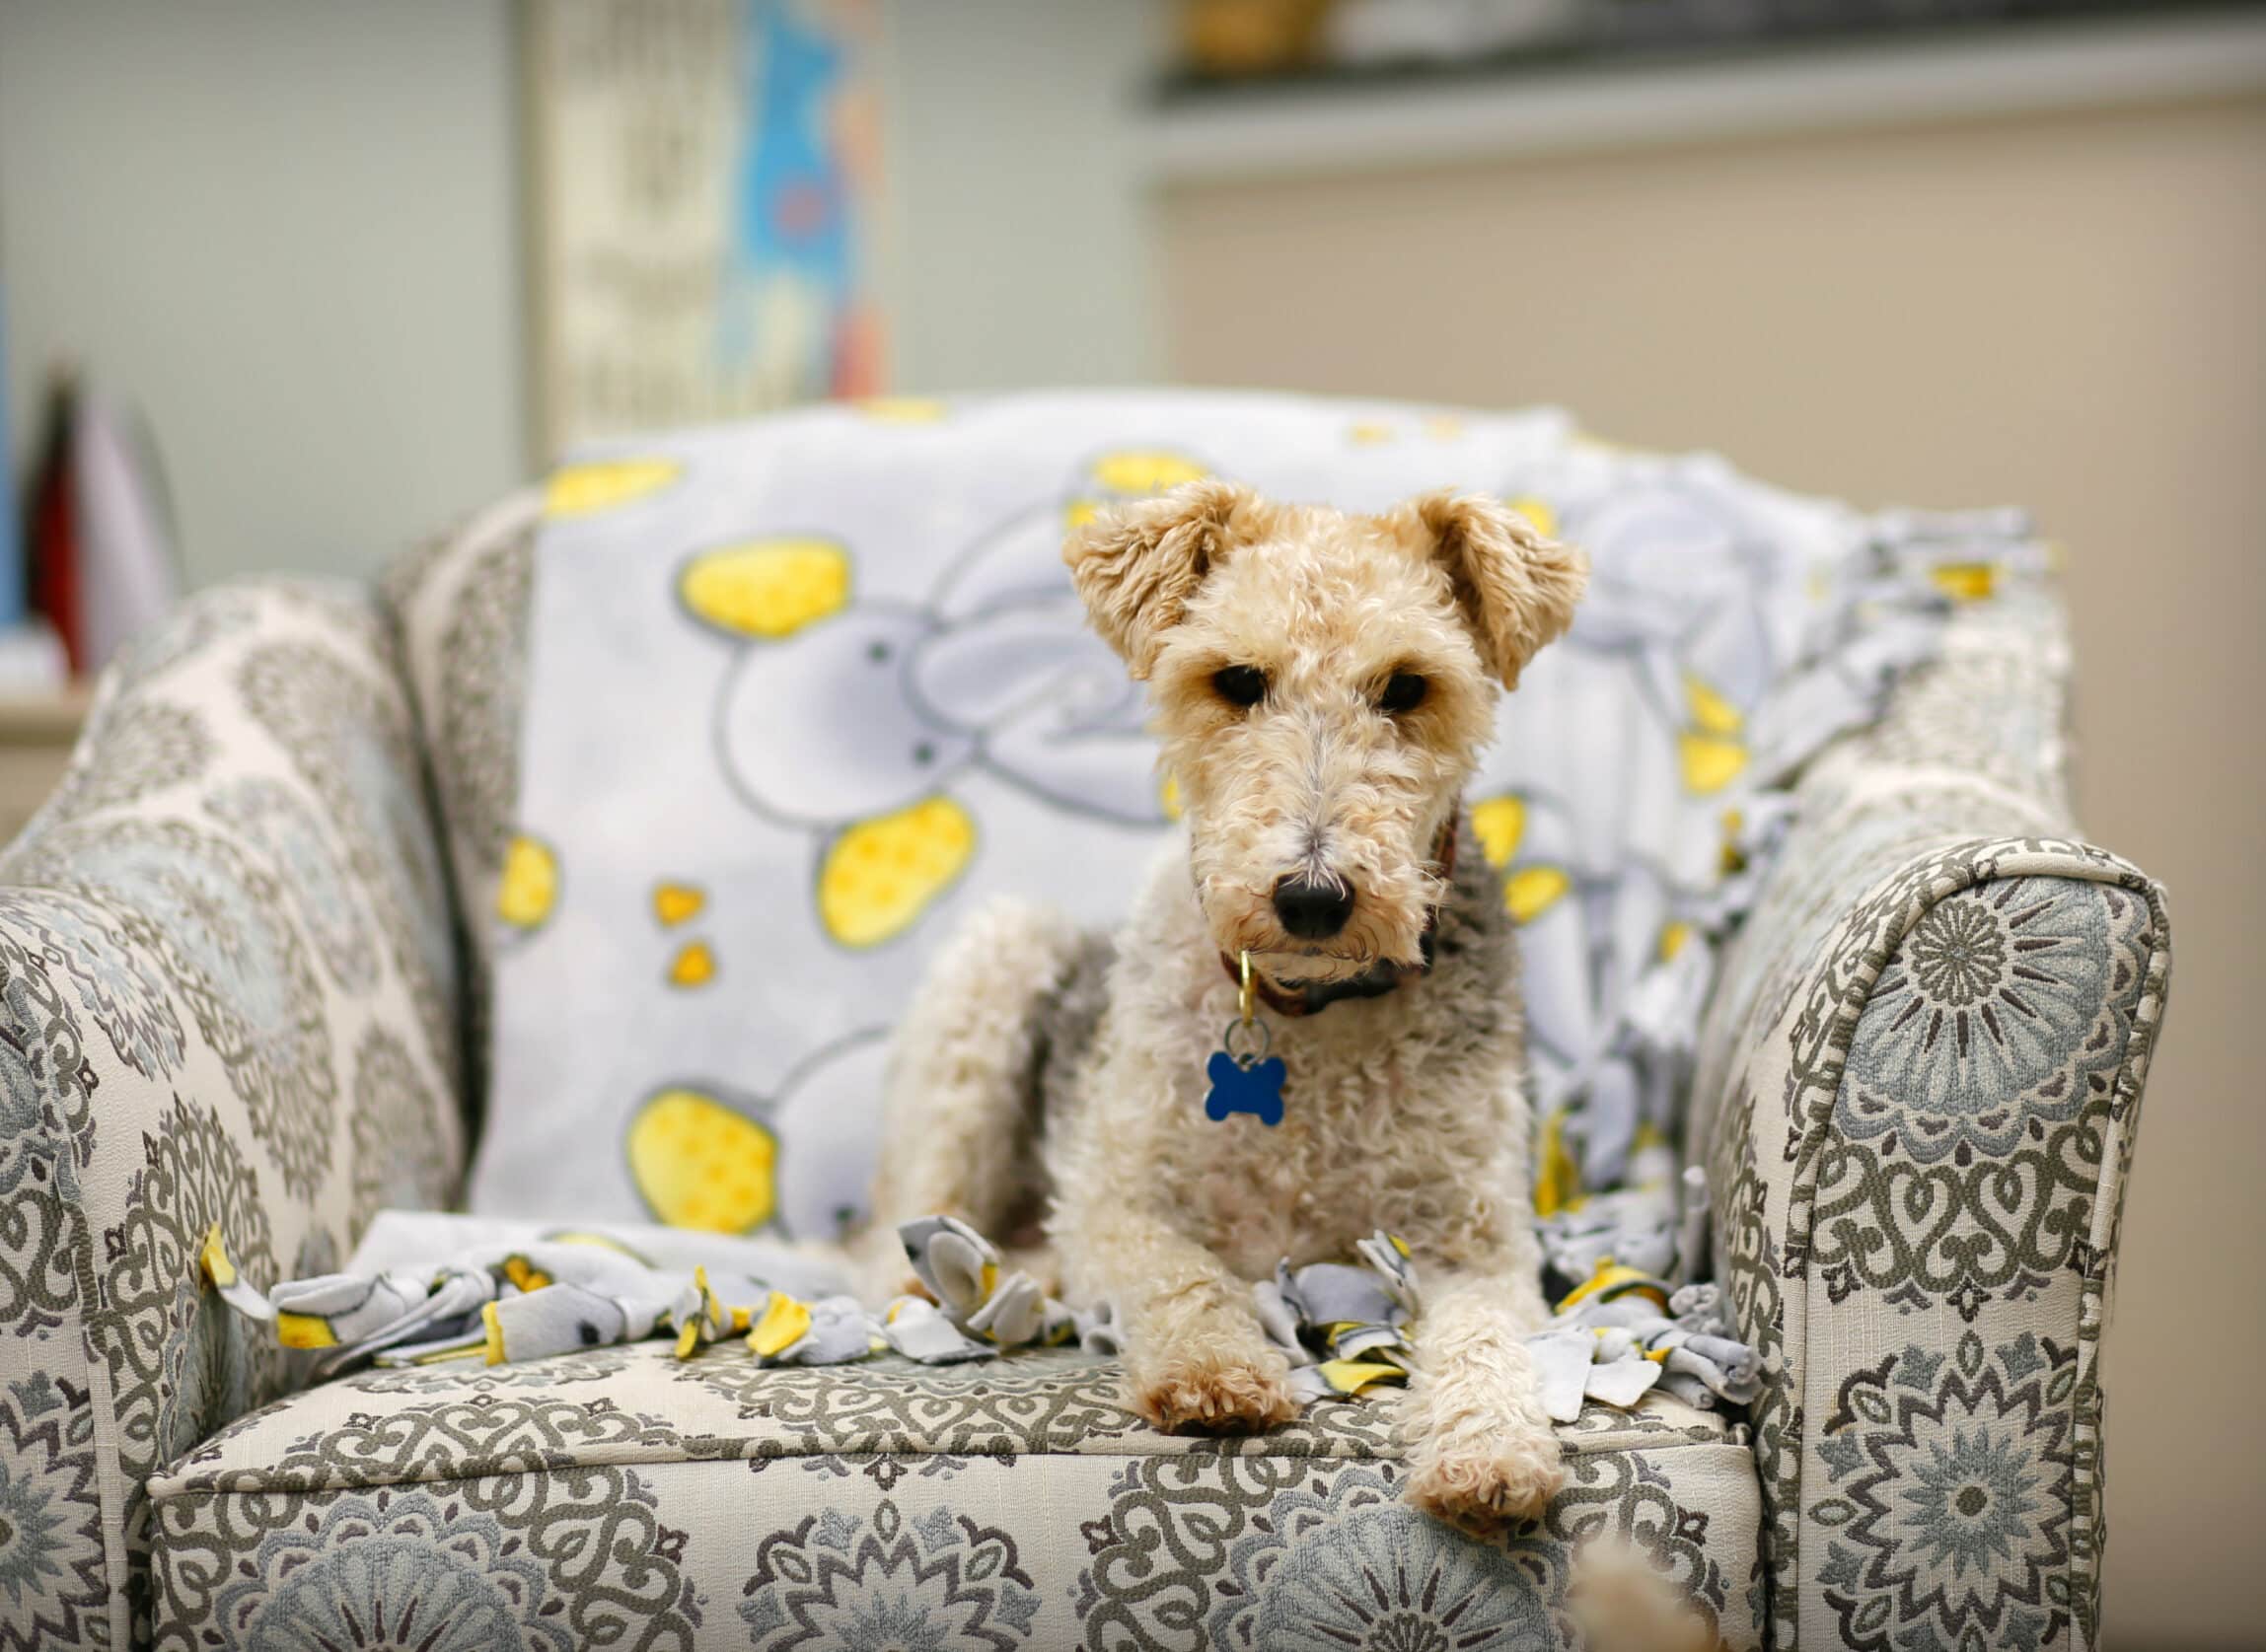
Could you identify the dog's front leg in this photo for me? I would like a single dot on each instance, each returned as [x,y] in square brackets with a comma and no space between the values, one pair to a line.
[1196,1357]
[1481,1453]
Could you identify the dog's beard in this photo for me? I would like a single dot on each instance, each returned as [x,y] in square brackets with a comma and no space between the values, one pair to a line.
[1241,845]
[1310,965]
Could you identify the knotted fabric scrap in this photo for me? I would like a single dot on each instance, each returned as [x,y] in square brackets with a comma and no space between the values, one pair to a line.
[1344,1326]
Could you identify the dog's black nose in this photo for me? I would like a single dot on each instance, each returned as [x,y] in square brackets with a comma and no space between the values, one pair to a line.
[1311,910]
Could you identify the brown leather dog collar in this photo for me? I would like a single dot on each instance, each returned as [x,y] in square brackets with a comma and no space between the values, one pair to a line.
[1379,979]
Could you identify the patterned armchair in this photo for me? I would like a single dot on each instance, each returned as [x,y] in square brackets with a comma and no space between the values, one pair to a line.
[238,992]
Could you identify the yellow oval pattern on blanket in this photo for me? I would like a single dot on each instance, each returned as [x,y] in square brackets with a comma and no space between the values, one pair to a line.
[1350,1377]
[767,588]
[1499,824]
[1532,891]
[218,1267]
[1538,512]
[304,1330]
[699,1164]
[1556,1178]
[782,1325]
[1965,582]
[1710,762]
[1136,471]
[530,886]
[881,874]
[902,409]
[1711,712]
[694,965]
[603,484]
[672,903]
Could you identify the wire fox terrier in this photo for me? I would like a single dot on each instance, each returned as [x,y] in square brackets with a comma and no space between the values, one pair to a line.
[1323,683]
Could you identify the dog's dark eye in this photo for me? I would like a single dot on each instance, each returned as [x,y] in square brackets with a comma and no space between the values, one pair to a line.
[1404,691]
[1240,684]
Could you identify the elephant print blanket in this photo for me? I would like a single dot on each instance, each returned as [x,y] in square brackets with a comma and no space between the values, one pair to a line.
[802,689]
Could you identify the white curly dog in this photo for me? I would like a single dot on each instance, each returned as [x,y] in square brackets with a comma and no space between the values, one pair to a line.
[1322,684]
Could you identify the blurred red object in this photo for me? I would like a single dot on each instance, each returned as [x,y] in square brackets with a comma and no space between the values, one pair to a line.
[52,525]
[99,536]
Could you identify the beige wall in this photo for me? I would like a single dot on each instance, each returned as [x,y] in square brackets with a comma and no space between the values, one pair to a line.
[2065,312]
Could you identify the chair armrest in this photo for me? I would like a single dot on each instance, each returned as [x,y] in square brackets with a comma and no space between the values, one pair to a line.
[1927,1055]
[462,604]
[227,995]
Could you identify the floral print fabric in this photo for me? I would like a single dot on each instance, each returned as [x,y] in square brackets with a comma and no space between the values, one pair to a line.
[226,978]
[1925,1059]
[619,1493]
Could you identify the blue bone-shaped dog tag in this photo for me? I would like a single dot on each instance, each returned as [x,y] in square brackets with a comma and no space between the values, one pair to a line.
[1253,1087]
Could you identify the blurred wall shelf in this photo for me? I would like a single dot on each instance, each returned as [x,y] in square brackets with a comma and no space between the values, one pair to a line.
[1318,126]
[37,734]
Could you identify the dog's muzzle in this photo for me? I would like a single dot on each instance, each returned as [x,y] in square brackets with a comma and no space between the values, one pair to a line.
[1296,999]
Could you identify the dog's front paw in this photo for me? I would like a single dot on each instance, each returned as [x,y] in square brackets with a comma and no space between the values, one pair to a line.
[1481,1489]
[1213,1394]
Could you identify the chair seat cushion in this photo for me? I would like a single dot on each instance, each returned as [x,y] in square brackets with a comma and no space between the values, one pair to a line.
[622,1497]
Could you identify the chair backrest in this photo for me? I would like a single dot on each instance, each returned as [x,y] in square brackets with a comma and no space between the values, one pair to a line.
[801,692]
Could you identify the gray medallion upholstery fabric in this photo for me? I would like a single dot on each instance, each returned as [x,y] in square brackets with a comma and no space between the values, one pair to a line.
[1929,1050]
[1010,1505]
[230,994]
[233,966]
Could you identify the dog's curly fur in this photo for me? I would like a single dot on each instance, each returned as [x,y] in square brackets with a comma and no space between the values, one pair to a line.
[1052,1075]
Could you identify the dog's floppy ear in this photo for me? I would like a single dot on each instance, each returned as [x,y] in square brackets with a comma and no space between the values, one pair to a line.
[1137,565]
[1517,589]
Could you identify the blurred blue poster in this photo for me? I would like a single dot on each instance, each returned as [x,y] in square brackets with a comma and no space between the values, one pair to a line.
[705,174]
